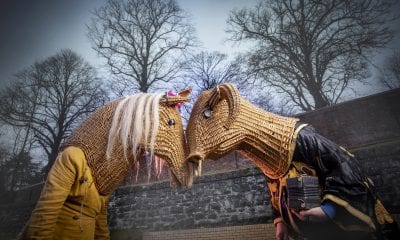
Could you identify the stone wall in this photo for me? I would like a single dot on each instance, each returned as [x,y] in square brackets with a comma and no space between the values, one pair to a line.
[232,198]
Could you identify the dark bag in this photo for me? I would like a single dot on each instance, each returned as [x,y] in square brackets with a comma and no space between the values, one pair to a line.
[303,192]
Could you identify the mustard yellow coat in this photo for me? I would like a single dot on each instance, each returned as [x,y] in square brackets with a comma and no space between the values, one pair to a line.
[70,206]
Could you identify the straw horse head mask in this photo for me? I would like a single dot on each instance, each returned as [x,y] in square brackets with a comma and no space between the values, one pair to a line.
[222,121]
[117,134]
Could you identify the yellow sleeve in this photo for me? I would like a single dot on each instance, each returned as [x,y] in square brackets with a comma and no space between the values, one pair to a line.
[273,187]
[55,191]
[102,231]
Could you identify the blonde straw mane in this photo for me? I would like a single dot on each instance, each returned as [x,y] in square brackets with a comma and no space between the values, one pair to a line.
[135,121]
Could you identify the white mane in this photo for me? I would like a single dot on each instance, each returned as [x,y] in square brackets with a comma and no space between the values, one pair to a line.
[136,117]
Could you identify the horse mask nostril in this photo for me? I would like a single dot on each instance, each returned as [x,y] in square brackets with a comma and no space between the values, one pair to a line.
[195,158]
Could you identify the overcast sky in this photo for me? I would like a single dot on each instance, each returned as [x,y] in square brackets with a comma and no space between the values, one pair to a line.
[35,29]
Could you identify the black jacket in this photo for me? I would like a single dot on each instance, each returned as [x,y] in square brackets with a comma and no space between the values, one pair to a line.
[343,182]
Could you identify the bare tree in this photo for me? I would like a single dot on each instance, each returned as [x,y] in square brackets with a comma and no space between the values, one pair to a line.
[17,168]
[50,97]
[4,155]
[18,171]
[312,50]
[206,70]
[142,41]
[391,71]
[272,103]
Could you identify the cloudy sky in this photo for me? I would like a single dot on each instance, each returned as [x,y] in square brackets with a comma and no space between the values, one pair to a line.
[35,29]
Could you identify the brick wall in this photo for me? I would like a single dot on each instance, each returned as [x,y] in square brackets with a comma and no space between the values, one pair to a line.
[253,232]
[365,121]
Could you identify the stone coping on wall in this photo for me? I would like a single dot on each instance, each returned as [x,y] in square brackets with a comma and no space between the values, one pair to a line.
[212,177]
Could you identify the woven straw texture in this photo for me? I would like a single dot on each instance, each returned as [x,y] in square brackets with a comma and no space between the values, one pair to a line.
[92,137]
[236,124]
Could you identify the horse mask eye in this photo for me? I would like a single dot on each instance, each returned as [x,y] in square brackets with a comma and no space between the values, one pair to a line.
[207,113]
[171,122]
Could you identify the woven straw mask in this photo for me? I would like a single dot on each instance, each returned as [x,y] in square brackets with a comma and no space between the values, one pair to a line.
[170,142]
[222,121]
[110,163]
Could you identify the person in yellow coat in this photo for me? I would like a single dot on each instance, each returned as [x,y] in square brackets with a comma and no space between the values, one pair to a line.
[96,158]
[70,206]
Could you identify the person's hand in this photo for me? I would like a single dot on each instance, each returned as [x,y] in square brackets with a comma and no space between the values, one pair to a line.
[312,215]
[282,231]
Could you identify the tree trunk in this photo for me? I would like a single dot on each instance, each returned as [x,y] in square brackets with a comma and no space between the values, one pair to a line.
[319,100]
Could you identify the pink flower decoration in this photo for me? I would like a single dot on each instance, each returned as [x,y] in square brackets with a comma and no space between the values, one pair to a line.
[172,94]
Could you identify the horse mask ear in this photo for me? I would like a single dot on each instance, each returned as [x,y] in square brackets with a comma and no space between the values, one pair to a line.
[185,92]
[230,93]
[172,99]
